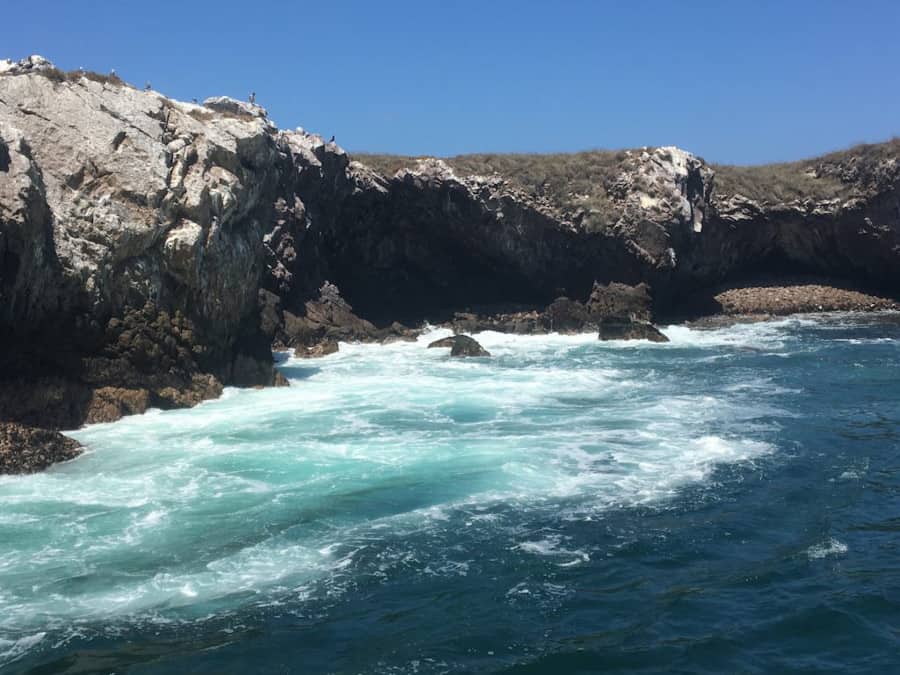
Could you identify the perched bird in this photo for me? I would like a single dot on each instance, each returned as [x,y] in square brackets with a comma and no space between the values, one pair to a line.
[147,86]
[331,140]
[252,97]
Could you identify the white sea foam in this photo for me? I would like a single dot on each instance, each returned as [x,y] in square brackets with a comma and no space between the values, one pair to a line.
[830,547]
[12,650]
[370,449]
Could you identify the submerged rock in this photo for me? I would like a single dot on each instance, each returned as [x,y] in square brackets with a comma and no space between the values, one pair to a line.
[630,330]
[323,348]
[26,449]
[461,345]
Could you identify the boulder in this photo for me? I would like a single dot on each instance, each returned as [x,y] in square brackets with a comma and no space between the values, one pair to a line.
[326,318]
[461,345]
[26,449]
[397,332]
[110,403]
[564,315]
[323,348]
[630,330]
[620,301]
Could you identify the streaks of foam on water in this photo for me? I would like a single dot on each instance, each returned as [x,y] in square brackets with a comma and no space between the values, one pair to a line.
[370,449]
[825,549]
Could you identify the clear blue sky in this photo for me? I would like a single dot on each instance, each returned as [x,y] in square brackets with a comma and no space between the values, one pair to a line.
[734,81]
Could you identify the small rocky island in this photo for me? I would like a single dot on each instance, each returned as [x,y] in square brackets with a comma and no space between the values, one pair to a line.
[153,251]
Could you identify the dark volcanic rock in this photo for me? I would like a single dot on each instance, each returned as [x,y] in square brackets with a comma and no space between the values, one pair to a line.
[566,316]
[461,345]
[620,301]
[323,348]
[327,318]
[623,312]
[25,449]
[615,304]
[630,330]
[528,322]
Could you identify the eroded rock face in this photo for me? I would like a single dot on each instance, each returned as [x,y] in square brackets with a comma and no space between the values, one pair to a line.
[422,241]
[476,240]
[131,244]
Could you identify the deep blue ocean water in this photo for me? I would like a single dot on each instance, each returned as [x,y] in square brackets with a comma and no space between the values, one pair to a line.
[726,502]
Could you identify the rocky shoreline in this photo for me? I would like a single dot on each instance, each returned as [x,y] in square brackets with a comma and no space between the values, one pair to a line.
[153,251]
[615,312]
[778,298]
[25,449]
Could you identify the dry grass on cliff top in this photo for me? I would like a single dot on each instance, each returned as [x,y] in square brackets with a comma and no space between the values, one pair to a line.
[577,182]
[581,180]
[835,175]
[57,75]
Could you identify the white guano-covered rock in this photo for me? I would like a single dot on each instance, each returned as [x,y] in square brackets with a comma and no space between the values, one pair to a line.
[142,194]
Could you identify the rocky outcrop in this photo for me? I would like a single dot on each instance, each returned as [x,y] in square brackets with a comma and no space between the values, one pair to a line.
[617,311]
[620,302]
[623,312]
[326,320]
[460,345]
[667,218]
[131,233]
[25,449]
[322,348]
[789,296]
[421,242]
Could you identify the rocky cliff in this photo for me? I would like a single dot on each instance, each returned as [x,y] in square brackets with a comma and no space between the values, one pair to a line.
[131,234]
[151,251]
[666,217]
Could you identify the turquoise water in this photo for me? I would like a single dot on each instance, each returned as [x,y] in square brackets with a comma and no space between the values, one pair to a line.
[726,502]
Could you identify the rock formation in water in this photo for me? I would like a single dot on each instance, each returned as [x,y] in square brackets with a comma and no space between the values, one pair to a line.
[152,251]
[460,345]
[25,449]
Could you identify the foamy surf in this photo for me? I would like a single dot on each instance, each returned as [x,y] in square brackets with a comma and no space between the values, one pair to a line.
[830,547]
[372,461]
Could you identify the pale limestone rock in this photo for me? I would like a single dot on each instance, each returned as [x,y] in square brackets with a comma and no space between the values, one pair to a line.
[231,106]
[119,168]
[182,246]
